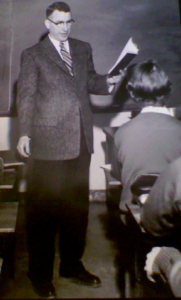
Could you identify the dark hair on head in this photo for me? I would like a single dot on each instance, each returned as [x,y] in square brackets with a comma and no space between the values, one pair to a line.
[60,6]
[147,82]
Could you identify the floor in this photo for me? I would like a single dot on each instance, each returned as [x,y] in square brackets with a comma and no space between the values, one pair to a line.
[104,256]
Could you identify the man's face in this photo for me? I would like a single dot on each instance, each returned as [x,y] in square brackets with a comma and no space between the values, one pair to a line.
[61,31]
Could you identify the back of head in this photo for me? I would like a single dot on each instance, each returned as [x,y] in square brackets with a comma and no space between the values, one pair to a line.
[60,6]
[148,83]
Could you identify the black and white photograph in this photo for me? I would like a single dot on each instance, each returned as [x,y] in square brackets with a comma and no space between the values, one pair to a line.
[90,149]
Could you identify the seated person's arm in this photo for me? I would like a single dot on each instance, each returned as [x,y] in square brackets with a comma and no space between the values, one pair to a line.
[166,263]
[160,214]
[157,214]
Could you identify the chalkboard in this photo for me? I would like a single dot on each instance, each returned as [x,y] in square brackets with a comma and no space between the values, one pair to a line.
[107,25]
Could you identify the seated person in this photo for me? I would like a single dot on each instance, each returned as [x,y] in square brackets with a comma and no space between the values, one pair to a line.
[151,140]
[161,213]
[165,262]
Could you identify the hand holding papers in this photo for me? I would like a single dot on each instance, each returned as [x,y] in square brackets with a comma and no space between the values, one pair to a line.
[128,53]
[115,78]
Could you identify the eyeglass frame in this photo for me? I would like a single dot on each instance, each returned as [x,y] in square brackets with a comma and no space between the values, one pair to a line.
[59,24]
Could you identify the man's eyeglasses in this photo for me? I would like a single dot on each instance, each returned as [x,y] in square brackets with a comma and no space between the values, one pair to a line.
[61,23]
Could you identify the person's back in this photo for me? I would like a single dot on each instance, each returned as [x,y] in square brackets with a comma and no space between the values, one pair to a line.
[151,140]
[146,144]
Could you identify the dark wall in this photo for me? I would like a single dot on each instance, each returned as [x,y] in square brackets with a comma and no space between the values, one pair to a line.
[107,25]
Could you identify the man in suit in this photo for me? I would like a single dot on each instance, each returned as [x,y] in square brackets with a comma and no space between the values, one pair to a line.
[151,140]
[55,80]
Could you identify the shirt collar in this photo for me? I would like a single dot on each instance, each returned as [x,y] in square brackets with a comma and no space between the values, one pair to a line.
[157,109]
[57,43]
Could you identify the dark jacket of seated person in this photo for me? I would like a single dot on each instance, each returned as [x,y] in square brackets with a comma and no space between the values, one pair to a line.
[161,213]
[151,140]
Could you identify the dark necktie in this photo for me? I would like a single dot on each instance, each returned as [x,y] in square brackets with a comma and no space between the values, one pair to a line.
[66,58]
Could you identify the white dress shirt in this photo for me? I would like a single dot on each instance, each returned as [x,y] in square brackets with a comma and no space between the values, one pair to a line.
[158,109]
[67,47]
[57,45]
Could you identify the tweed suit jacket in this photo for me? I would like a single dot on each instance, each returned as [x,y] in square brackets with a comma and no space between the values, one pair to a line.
[147,143]
[51,102]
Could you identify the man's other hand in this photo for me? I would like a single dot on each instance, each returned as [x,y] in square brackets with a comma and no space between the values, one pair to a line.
[23,146]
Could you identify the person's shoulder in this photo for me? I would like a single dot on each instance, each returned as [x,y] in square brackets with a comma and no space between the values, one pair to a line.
[122,128]
[79,43]
[129,126]
[172,120]
[36,47]
[31,49]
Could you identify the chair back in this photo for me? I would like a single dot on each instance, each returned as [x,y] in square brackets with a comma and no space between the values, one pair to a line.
[142,185]
[1,169]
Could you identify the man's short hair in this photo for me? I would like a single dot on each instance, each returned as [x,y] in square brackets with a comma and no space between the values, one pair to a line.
[60,6]
[147,82]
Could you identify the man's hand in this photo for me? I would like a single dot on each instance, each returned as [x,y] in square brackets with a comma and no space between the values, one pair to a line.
[150,258]
[23,146]
[114,79]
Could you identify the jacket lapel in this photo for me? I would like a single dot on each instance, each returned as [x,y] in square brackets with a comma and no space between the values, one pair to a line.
[74,52]
[50,50]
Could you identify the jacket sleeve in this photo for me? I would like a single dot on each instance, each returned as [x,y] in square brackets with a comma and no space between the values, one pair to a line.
[26,90]
[175,278]
[168,262]
[160,215]
[157,218]
[96,83]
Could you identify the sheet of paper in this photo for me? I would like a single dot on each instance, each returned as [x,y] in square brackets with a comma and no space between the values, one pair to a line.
[106,167]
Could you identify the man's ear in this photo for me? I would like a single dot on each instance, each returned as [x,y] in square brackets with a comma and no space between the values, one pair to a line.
[47,23]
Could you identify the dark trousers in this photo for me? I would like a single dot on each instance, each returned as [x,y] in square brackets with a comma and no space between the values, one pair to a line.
[59,200]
